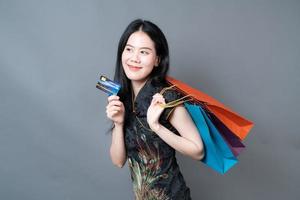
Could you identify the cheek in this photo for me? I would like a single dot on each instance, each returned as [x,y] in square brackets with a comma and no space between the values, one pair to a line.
[124,57]
[149,61]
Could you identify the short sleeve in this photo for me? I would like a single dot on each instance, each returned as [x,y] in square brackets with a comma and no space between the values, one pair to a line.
[170,95]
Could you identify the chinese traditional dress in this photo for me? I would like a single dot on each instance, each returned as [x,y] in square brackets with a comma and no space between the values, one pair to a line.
[154,170]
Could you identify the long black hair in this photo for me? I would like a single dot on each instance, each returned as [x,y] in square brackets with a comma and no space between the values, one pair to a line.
[158,73]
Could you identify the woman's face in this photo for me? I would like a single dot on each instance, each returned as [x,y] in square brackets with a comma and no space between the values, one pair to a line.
[139,57]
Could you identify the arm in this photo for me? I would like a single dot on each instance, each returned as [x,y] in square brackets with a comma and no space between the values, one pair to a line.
[117,148]
[189,142]
[115,111]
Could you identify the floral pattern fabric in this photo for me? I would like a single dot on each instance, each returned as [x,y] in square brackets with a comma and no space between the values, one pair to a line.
[154,170]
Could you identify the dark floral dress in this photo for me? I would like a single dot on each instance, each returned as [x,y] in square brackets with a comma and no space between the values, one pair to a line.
[154,170]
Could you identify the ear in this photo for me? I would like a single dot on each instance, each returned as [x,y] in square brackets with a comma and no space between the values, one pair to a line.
[157,60]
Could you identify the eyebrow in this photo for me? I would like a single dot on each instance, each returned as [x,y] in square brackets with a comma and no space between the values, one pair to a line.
[140,47]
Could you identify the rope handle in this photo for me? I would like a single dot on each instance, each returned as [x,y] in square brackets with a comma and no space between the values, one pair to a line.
[176,102]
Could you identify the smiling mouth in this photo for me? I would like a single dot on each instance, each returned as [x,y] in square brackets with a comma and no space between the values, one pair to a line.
[134,68]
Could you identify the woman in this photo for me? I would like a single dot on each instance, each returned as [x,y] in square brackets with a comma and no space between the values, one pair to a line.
[146,132]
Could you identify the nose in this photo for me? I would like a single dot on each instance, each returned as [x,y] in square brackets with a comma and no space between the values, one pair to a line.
[135,58]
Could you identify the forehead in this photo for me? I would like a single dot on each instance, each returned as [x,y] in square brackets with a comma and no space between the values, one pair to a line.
[140,39]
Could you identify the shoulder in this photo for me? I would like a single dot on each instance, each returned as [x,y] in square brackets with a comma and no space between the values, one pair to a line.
[171,96]
[170,92]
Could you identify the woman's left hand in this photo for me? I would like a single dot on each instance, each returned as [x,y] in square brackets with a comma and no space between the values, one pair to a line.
[154,111]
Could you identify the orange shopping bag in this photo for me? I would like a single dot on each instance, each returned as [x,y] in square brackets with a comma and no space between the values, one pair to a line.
[239,125]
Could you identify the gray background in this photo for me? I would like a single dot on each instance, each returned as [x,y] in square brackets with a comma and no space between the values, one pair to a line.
[53,144]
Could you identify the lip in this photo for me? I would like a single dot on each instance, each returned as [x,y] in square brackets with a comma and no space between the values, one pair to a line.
[134,68]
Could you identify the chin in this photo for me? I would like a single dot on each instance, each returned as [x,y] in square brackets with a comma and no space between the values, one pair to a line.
[137,78]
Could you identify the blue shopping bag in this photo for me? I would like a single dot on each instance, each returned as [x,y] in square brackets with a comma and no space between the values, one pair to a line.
[218,154]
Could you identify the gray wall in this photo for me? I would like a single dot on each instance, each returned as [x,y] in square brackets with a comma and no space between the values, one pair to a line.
[53,144]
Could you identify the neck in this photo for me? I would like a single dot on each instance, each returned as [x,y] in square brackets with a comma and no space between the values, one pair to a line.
[137,86]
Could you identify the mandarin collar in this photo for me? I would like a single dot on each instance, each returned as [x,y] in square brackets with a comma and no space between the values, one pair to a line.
[143,92]
[144,97]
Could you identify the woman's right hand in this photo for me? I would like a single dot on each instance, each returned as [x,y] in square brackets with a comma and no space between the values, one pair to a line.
[115,110]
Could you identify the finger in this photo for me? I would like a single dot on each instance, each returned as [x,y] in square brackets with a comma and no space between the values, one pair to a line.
[113,97]
[158,99]
[162,100]
[157,95]
[112,114]
[115,103]
[114,108]
[154,100]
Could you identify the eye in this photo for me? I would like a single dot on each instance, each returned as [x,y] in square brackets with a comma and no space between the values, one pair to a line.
[128,49]
[144,52]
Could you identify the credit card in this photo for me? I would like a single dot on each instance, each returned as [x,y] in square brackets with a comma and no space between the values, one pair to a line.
[108,86]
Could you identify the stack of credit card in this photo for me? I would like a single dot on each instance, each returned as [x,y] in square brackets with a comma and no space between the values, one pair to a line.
[108,86]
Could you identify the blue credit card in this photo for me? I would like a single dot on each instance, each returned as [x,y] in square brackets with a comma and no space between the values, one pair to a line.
[108,86]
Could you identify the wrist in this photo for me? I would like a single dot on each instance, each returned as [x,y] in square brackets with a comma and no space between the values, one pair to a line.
[118,125]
